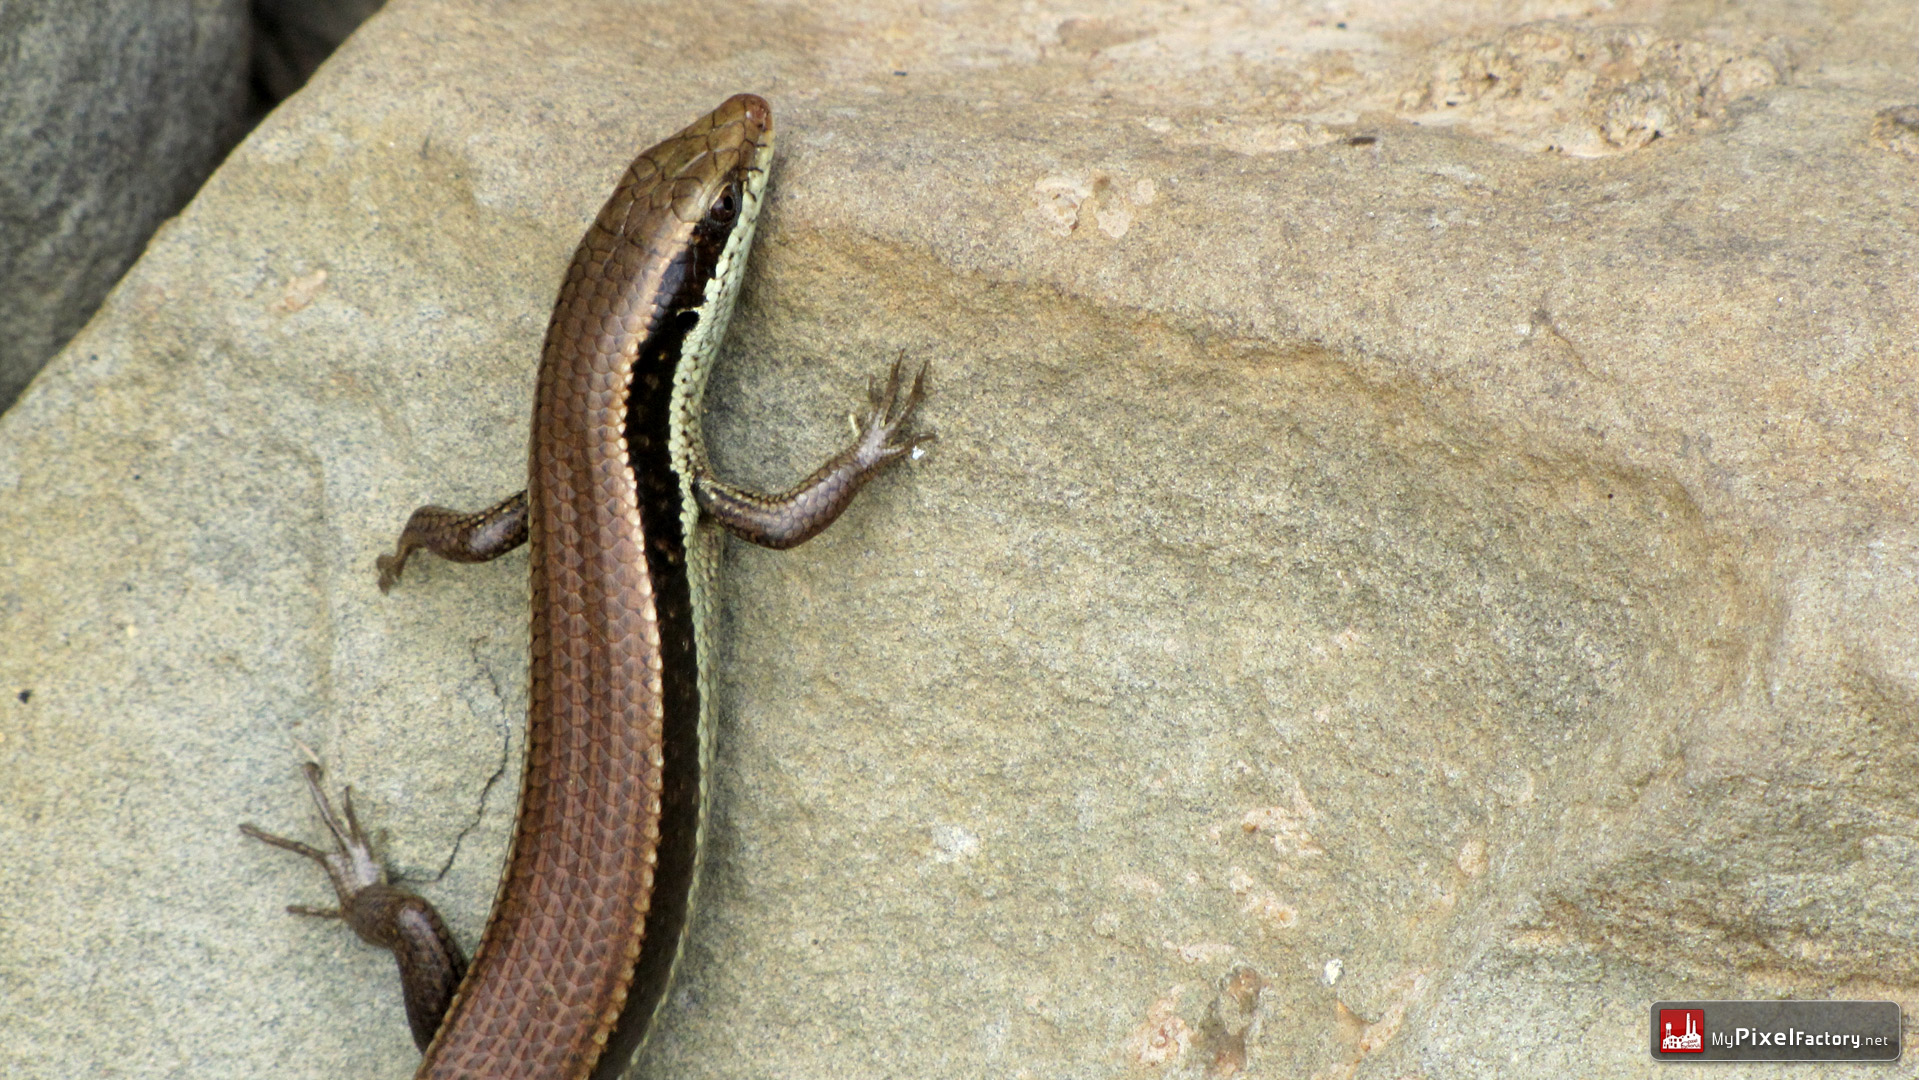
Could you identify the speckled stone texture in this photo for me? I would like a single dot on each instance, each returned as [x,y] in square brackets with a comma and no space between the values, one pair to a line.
[114,113]
[1418,563]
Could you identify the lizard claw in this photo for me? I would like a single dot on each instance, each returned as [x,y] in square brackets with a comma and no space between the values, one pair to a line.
[889,414]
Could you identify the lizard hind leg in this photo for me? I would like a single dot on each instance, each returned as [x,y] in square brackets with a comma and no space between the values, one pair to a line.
[431,963]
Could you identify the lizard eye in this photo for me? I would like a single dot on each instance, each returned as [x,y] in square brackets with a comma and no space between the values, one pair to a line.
[724,208]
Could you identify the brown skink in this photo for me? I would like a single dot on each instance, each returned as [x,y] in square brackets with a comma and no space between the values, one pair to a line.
[620,515]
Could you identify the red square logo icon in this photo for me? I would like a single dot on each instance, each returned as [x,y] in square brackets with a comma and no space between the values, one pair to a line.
[1683,1031]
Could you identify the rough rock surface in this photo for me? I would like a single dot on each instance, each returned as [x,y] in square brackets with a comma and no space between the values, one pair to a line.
[113,114]
[1418,563]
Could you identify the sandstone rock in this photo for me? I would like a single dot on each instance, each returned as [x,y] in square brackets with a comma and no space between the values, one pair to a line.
[1390,598]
